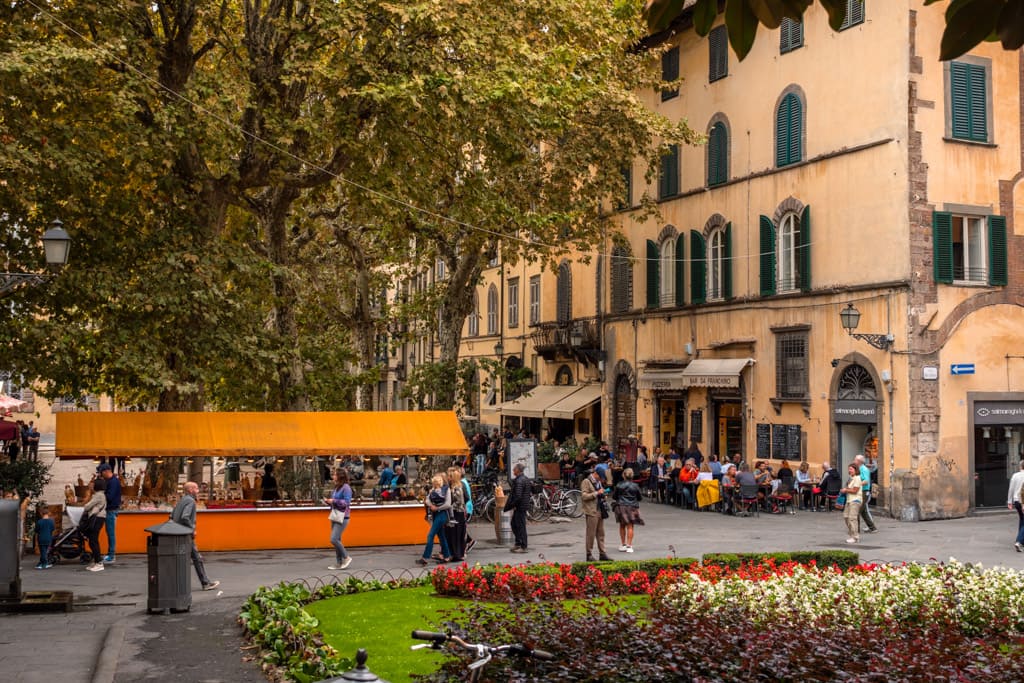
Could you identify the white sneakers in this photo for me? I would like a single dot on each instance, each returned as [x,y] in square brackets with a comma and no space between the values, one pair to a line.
[851,540]
[622,548]
[629,548]
[210,586]
[346,562]
[97,567]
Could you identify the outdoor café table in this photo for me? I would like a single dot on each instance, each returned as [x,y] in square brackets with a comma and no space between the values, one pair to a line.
[806,494]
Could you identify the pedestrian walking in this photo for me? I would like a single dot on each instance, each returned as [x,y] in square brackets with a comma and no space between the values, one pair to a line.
[340,503]
[456,528]
[113,495]
[1014,501]
[627,497]
[854,497]
[439,505]
[184,513]
[519,502]
[865,481]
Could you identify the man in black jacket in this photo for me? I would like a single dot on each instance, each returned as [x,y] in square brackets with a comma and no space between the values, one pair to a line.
[519,502]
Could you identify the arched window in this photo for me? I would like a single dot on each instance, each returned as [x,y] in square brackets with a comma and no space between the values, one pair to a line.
[492,310]
[474,316]
[622,280]
[789,130]
[789,255]
[720,263]
[564,295]
[564,376]
[667,272]
[718,154]
[625,409]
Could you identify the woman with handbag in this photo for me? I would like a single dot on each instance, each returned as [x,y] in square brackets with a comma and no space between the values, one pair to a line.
[340,503]
[94,517]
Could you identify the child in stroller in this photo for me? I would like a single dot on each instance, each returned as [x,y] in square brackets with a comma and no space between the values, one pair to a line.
[70,544]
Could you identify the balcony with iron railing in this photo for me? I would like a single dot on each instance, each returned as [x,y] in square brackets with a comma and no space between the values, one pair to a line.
[579,338]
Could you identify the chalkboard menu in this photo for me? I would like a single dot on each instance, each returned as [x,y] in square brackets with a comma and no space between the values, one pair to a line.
[784,442]
[764,441]
[697,425]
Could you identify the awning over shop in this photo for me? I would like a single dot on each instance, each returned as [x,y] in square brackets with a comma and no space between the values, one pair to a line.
[534,403]
[662,379]
[567,408]
[395,433]
[714,372]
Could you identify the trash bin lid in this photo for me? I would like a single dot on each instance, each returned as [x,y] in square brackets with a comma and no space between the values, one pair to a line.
[170,528]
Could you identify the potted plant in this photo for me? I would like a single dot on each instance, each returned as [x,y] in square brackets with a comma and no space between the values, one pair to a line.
[547,460]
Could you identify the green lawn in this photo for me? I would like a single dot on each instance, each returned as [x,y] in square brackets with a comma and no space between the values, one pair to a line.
[381,621]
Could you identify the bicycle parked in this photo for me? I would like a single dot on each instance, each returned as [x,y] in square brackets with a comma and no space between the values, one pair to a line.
[554,499]
[483,652]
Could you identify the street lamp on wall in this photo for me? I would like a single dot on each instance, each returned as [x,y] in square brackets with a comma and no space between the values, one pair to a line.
[850,318]
[56,245]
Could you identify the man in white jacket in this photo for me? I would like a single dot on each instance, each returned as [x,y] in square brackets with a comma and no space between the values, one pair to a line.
[1013,502]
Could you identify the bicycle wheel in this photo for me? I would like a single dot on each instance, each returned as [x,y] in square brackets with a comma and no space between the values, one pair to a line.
[537,511]
[570,503]
[488,510]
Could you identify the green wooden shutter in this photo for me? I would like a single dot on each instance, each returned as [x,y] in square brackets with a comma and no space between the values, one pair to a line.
[791,35]
[997,250]
[670,72]
[787,131]
[681,270]
[718,54]
[668,182]
[767,247]
[718,154]
[942,246]
[727,262]
[698,268]
[805,250]
[968,101]
[653,259]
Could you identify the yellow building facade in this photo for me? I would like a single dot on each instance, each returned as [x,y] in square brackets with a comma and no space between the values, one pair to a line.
[848,175]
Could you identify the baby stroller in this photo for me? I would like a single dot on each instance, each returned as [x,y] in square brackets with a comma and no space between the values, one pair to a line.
[70,545]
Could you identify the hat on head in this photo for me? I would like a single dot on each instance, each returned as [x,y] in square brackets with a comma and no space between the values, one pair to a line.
[104,468]
[591,457]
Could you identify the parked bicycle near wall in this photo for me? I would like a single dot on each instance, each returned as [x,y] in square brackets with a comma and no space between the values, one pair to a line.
[482,651]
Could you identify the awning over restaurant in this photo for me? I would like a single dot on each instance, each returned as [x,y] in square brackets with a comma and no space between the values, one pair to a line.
[662,379]
[533,403]
[145,434]
[567,408]
[715,372]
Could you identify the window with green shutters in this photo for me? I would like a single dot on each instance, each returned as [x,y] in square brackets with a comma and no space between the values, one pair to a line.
[653,277]
[767,256]
[968,94]
[718,54]
[667,272]
[563,294]
[788,131]
[804,257]
[622,280]
[791,35]
[718,154]
[969,248]
[668,180]
[670,72]
[698,268]
[727,262]
[680,270]
[854,14]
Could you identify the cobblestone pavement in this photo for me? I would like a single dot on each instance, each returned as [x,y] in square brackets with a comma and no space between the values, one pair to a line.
[110,637]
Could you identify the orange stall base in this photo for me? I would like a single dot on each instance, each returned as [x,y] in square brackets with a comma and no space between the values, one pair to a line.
[275,528]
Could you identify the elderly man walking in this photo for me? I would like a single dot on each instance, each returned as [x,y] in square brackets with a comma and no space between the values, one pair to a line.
[865,480]
[185,514]
[519,502]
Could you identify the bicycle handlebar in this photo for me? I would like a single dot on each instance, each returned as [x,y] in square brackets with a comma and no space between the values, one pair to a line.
[482,649]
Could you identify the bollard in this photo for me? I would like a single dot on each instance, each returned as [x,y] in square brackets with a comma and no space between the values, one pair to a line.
[360,673]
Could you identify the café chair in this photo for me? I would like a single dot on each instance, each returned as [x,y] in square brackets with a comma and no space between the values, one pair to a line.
[782,499]
[748,500]
[831,494]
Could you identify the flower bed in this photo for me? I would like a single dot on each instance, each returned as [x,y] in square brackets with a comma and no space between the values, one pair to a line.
[981,602]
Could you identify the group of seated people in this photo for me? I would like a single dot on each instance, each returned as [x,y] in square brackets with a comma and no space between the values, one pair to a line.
[732,485]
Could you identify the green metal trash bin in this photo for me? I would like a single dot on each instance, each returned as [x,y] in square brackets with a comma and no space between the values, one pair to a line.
[168,550]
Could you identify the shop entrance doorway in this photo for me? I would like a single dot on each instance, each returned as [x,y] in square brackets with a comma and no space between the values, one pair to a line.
[997,453]
[729,421]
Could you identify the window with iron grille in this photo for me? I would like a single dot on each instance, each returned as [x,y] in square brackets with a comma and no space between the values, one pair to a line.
[513,302]
[791,380]
[534,299]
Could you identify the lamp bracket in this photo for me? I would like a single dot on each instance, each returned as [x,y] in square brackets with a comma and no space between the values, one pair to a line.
[10,281]
[882,342]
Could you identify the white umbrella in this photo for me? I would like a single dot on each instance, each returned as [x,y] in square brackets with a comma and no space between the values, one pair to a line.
[11,403]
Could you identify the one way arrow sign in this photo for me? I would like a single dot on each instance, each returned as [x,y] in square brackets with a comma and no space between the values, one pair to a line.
[962,369]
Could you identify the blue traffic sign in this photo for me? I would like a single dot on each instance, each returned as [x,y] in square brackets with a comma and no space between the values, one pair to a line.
[961,369]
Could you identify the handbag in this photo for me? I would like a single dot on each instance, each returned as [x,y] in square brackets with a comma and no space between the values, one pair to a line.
[336,516]
[602,505]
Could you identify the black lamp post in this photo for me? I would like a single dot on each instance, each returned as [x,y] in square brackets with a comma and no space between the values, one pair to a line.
[56,244]
[850,318]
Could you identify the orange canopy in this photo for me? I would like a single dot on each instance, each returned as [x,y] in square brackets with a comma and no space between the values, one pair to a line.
[92,434]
